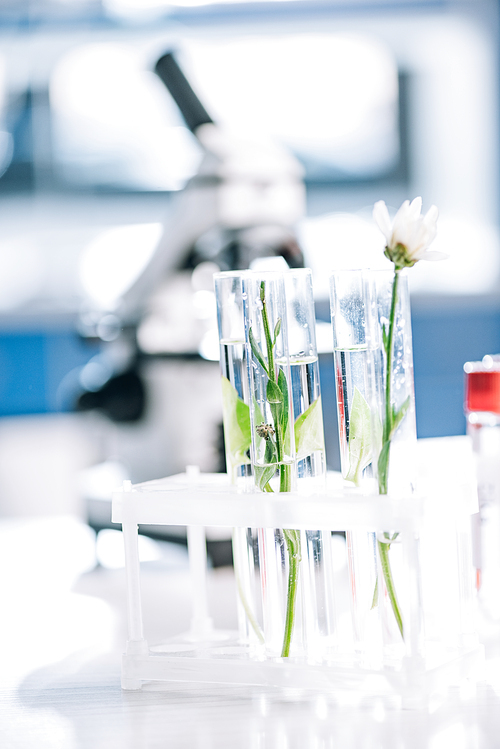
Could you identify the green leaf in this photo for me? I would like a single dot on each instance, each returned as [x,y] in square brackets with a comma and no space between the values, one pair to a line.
[361,438]
[277,413]
[377,434]
[263,475]
[273,392]
[277,329]
[243,418]
[283,386]
[308,429]
[256,351]
[270,455]
[236,420]
[275,400]
[398,416]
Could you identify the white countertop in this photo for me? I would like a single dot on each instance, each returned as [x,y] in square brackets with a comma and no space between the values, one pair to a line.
[63,631]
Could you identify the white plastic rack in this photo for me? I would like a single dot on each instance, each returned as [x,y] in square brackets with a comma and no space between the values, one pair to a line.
[205,655]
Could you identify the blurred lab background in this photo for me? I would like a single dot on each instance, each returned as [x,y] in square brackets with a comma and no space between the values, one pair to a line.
[145,144]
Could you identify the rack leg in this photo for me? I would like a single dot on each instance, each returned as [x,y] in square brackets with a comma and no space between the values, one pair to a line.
[136,643]
[201,623]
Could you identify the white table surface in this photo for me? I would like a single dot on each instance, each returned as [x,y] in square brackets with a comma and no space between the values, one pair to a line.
[62,631]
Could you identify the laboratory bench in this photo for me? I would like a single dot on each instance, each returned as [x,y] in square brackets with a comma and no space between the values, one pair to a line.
[63,631]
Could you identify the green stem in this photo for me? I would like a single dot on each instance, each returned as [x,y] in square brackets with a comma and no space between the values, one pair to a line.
[267,333]
[390,351]
[285,477]
[292,539]
[383,468]
[270,362]
[383,550]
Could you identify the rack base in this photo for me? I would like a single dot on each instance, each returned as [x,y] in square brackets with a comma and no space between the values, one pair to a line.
[224,660]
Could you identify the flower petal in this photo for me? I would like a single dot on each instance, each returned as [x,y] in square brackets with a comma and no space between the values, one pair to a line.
[415,208]
[381,217]
[432,215]
[430,221]
[411,233]
[402,226]
[434,255]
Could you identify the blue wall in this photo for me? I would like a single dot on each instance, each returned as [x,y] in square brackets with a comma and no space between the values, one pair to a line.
[446,334]
[33,363]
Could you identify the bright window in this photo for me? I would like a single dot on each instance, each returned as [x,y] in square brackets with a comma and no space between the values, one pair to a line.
[332,99]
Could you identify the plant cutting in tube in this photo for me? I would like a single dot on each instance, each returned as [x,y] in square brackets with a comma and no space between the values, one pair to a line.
[407,242]
[282,441]
[272,415]
[237,433]
[277,438]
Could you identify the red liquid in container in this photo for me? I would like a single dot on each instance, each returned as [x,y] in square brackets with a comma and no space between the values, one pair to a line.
[482,391]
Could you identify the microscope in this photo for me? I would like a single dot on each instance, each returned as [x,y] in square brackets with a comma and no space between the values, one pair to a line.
[242,204]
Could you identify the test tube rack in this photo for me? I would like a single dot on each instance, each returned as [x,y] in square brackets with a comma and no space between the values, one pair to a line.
[207,656]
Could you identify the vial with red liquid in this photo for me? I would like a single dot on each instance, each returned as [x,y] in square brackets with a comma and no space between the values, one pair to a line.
[482,410]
